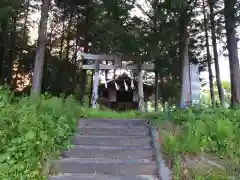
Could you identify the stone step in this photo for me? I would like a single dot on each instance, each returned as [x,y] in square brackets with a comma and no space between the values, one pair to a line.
[111,140]
[101,177]
[113,147]
[106,152]
[103,123]
[113,131]
[105,166]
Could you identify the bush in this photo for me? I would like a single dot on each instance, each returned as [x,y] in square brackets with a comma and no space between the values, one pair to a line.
[200,132]
[215,131]
[32,131]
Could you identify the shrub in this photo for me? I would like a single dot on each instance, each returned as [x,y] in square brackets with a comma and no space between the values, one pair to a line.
[32,131]
[202,132]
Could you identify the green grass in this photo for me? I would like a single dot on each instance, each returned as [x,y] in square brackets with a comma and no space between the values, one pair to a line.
[96,113]
[201,132]
[33,132]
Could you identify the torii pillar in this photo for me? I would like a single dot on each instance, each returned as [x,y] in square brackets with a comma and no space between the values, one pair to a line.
[141,105]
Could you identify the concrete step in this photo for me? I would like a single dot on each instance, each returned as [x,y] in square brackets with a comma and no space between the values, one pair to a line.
[111,140]
[113,147]
[103,123]
[113,131]
[101,177]
[106,152]
[105,166]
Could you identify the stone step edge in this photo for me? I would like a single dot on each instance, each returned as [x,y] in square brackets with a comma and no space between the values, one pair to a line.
[66,176]
[102,147]
[163,171]
[112,119]
[122,123]
[105,161]
[113,131]
[113,137]
[114,127]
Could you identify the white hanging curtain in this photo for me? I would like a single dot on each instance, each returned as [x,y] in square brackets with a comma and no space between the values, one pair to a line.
[116,86]
[125,85]
[105,83]
[132,84]
[135,96]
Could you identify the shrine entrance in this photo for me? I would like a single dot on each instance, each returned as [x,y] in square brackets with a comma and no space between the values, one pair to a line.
[122,93]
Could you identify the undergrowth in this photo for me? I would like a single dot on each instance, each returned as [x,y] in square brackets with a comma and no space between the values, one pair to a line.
[107,113]
[32,132]
[201,132]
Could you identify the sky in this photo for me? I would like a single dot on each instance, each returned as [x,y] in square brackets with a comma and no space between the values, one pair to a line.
[223,63]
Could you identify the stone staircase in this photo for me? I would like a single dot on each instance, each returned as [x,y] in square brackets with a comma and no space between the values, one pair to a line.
[109,150]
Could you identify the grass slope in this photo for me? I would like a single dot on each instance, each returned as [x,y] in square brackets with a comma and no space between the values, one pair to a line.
[33,132]
[200,143]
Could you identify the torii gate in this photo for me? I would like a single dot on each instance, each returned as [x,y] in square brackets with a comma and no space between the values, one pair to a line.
[117,64]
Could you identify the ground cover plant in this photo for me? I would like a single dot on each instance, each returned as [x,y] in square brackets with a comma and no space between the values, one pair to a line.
[32,132]
[108,113]
[200,143]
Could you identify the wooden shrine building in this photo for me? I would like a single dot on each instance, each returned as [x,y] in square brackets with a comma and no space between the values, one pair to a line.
[114,98]
[121,93]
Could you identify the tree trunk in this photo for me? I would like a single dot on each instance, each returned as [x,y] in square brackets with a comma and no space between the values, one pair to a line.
[24,32]
[156,91]
[63,33]
[185,83]
[4,50]
[39,61]
[91,88]
[12,53]
[210,72]
[161,89]
[86,49]
[23,45]
[154,54]
[184,61]
[68,34]
[230,22]
[75,57]
[215,53]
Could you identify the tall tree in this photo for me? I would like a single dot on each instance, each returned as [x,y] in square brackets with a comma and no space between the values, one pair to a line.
[40,52]
[12,51]
[208,55]
[230,23]
[184,19]
[87,24]
[215,53]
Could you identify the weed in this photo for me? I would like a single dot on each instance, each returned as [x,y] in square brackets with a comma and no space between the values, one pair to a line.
[107,113]
[33,132]
[201,132]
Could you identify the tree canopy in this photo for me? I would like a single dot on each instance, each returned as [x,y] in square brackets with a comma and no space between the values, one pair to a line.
[108,26]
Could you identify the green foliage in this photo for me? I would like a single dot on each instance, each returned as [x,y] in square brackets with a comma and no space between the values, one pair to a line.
[200,131]
[96,113]
[214,131]
[33,131]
